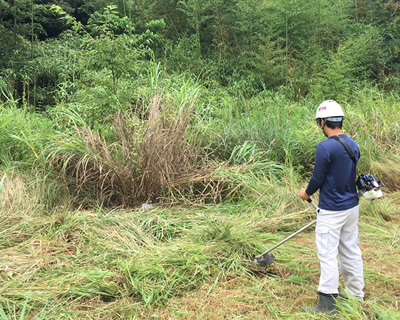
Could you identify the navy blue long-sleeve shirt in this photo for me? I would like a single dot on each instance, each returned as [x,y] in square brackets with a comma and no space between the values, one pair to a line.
[335,175]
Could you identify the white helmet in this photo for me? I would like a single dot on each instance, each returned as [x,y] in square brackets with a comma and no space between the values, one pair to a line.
[330,110]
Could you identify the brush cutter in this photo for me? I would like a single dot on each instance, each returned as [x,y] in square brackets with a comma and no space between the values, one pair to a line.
[267,258]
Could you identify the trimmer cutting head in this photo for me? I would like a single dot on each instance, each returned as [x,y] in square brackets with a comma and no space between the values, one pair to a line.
[265,260]
[266,257]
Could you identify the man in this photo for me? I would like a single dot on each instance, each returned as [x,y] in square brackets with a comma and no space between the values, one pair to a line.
[336,230]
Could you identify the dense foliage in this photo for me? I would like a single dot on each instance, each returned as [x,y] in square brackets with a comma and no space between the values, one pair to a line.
[307,48]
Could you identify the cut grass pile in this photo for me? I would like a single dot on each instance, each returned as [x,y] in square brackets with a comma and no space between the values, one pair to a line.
[183,262]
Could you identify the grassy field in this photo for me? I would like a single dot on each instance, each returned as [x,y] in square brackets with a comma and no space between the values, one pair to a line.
[223,172]
[186,261]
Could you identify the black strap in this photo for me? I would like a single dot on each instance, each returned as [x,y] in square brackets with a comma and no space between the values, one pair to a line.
[346,146]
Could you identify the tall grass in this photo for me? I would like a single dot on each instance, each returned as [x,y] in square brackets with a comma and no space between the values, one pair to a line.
[371,121]
[22,133]
[283,129]
[286,132]
[373,115]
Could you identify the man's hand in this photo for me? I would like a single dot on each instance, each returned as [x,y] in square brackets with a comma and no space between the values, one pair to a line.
[303,194]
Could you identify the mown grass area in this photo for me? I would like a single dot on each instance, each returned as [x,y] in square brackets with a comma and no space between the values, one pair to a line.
[186,261]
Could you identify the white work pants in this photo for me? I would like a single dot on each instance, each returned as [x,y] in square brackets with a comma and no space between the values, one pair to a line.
[337,236]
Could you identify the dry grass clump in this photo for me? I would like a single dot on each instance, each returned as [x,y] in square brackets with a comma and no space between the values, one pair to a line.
[15,193]
[144,159]
[19,204]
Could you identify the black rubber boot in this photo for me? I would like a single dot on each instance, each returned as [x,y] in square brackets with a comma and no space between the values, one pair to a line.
[326,304]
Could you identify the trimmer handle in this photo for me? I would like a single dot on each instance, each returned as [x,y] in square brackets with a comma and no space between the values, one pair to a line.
[310,202]
[290,237]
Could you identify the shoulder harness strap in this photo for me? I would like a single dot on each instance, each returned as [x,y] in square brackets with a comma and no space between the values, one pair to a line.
[346,146]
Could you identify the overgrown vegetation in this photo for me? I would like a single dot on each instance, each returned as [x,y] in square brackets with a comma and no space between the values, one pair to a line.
[150,149]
